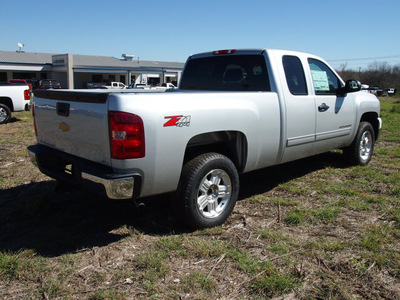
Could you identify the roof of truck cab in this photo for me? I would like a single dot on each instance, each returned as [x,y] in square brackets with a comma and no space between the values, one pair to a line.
[248,51]
[232,52]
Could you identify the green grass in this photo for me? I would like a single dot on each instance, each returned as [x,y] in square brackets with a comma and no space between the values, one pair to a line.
[23,265]
[154,263]
[274,283]
[390,118]
[319,229]
[195,281]
[203,247]
[299,216]
[377,241]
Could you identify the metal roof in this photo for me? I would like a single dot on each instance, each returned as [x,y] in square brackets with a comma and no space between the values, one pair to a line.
[15,57]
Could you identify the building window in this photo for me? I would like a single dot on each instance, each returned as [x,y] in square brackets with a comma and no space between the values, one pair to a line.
[153,81]
[3,76]
[18,75]
[97,78]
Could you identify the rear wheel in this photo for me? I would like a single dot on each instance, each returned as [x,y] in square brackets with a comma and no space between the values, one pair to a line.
[5,114]
[207,191]
[360,151]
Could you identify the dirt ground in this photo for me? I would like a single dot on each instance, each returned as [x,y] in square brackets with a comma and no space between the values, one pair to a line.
[78,246]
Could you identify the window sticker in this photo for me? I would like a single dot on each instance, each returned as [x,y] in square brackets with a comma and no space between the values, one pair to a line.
[321,83]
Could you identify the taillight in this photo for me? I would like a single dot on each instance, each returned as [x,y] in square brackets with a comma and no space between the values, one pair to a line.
[219,52]
[126,135]
[27,95]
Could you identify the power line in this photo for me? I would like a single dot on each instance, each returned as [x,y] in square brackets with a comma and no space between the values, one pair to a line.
[363,64]
[366,58]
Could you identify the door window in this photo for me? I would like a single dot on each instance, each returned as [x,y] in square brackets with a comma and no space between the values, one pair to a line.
[325,81]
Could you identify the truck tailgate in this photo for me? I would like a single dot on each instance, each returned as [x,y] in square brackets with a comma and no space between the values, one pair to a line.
[74,122]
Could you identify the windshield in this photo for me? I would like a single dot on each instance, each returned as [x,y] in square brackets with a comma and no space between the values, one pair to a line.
[226,73]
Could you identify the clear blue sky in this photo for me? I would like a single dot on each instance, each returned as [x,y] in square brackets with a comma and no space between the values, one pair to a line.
[353,32]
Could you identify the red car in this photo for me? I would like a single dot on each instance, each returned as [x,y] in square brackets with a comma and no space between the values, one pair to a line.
[20,81]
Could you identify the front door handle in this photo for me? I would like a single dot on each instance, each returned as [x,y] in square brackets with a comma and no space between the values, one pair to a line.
[323,107]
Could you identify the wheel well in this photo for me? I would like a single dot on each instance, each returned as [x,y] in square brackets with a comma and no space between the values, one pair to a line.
[8,102]
[372,118]
[232,144]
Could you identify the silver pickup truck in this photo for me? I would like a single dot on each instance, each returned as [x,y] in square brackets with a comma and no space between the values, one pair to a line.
[235,111]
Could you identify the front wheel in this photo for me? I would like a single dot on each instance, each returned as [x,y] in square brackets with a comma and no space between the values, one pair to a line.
[5,114]
[207,191]
[360,151]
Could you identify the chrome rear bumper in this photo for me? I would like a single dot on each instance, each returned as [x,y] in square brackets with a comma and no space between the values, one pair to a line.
[78,172]
[121,188]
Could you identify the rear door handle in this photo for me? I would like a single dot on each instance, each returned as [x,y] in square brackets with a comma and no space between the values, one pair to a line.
[323,107]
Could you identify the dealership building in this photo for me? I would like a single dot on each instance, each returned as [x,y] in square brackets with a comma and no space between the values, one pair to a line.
[75,71]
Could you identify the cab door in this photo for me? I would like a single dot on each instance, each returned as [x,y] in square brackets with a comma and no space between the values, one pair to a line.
[299,133]
[335,113]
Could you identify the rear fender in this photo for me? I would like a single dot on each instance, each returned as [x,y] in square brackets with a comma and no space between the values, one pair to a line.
[232,144]
[7,101]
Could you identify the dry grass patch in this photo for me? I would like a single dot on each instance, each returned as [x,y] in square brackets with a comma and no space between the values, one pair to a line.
[312,229]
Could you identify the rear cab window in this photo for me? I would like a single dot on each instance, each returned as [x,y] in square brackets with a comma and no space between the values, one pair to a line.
[294,74]
[226,73]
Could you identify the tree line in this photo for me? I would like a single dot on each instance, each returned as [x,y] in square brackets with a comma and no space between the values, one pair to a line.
[378,74]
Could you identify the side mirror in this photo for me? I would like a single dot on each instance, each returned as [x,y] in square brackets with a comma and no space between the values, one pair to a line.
[351,86]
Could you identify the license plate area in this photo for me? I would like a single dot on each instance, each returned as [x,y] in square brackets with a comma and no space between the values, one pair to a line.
[61,168]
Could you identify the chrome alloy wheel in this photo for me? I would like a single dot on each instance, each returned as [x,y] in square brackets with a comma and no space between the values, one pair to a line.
[3,114]
[366,145]
[214,193]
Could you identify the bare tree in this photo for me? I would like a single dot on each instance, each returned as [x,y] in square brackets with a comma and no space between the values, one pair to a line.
[378,74]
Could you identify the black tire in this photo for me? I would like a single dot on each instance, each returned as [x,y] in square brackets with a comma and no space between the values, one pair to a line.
[5,114]
[362,148]
[207,192]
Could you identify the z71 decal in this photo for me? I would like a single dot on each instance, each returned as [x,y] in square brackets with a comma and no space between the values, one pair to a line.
[177,121]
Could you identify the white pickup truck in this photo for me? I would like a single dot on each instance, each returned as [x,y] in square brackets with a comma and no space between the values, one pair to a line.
[115,85]
[13,98]
[235,111]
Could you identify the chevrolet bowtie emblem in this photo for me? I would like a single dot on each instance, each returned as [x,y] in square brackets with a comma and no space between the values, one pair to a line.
[63,126]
